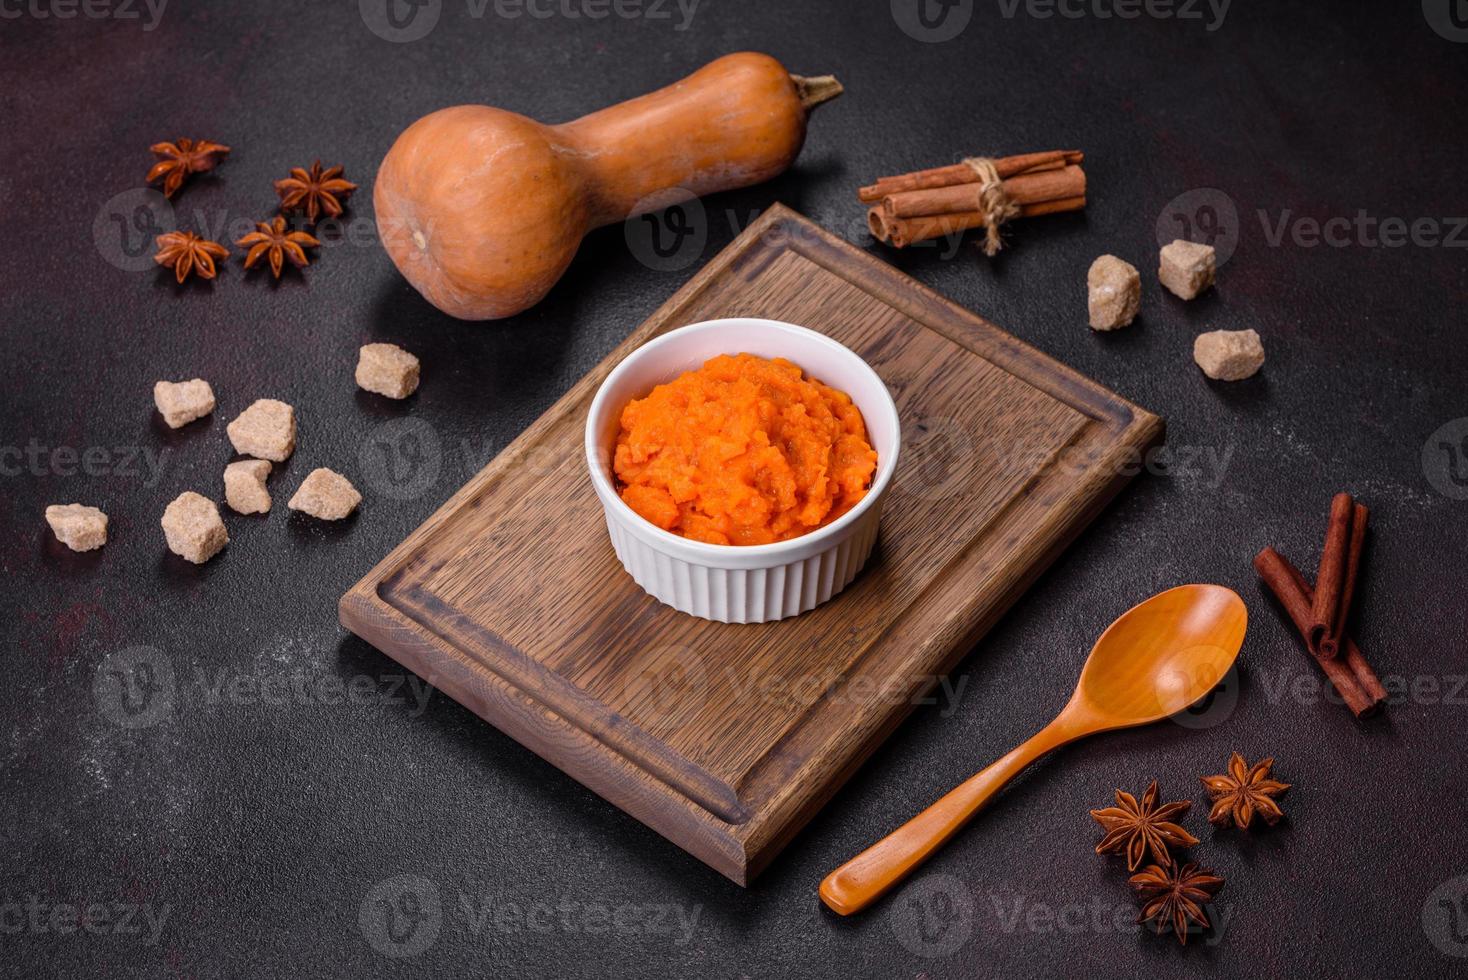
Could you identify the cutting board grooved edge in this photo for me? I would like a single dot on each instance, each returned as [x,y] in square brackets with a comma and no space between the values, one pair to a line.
[967,555]
[593,717]
[385,627]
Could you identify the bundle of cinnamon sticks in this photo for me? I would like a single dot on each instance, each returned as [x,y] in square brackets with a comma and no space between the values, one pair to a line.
[977,193]
[1320,613]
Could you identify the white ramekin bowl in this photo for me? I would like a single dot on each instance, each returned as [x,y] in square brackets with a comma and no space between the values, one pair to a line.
[731,583]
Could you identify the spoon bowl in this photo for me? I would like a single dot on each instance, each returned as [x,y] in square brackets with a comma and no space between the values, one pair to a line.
[1158,658]
[1161,656]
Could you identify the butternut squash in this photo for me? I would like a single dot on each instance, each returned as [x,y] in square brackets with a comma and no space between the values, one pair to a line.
[483,209]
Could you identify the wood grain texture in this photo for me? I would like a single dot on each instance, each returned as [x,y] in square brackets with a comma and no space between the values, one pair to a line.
[727,738]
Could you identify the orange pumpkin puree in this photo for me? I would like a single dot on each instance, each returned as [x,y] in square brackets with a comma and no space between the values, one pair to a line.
[743,451]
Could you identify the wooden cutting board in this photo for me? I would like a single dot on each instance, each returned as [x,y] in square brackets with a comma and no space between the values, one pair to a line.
[727,738]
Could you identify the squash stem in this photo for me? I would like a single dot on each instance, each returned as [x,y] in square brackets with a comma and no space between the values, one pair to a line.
[816,89]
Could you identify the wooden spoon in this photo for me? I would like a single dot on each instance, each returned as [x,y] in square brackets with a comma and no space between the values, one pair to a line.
[1157,659]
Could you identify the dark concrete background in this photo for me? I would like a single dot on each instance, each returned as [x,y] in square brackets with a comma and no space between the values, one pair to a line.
[264,824]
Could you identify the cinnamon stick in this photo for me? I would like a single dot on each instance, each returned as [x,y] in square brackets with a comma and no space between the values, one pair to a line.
[877,224]
[1330,580]
[1332,641]
[902,232]
[1351,675]
[1354,659]
[962,173]
[1028,188]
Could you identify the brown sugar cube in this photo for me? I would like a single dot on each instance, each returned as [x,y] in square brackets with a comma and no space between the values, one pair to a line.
[1114,291]
[193,528]
[387,369]
[180,402]
[327,495]
[1187,268]
[244,486]
[79,527]
[1229,355]
[266,430]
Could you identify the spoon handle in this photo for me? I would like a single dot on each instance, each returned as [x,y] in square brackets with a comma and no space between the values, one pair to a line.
[866,877]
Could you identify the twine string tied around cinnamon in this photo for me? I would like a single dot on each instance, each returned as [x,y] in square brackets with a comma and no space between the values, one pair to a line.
[993,201]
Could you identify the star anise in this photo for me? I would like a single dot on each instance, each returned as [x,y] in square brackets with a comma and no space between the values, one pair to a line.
[1175,897]
[185,252]
[1242,792]
[1137,828]
[182,157]
[316,192]
[272,239]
